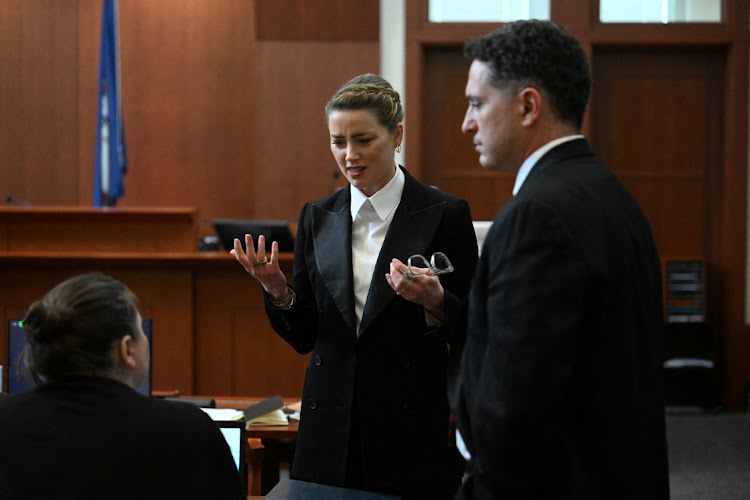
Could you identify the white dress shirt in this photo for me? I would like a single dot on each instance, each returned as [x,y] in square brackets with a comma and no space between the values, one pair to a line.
[529,163]
[371,218]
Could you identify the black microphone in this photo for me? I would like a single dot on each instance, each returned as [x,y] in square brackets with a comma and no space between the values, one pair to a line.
[17,201]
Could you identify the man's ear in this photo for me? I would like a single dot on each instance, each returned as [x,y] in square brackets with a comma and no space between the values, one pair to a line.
[125,351]
[531,100]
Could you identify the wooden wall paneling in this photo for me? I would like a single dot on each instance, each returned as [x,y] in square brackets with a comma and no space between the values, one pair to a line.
[95,230]
[237,351]
[292,156]
[187,71]
[188,79]
[329,20]
[450,160]
[657,145]
[215,298]
[732,249]
[38,134]
[165,295]
[414,84]
[446,150]
[484,193]
[577,16]
[270,365]
[87,67]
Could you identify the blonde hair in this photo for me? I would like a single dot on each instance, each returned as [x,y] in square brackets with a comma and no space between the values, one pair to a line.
[369,92]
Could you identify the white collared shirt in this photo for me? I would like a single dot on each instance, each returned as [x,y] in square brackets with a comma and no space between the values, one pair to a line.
[371,218]
[534,157]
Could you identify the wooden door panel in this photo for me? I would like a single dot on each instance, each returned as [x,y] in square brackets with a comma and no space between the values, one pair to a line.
[678,227]
[655,117]
[647,117]
[450,161]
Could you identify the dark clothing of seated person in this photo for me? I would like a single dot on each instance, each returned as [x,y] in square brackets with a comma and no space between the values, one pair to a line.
[83,431]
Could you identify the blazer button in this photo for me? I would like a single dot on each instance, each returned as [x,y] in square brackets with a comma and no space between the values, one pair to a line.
[318,360]
[312,404]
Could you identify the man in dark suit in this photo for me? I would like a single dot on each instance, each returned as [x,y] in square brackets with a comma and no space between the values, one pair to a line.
[559,391]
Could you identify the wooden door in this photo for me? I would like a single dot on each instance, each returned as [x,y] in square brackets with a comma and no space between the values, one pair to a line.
[656,121]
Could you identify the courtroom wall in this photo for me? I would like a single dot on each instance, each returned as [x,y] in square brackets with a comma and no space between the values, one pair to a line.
[222,100]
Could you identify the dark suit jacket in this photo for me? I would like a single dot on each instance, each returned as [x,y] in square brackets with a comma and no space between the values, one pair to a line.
[395,370]
[560,387]
[92,438]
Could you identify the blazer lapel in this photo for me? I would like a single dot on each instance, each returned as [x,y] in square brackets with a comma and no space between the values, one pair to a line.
[332,241]
[411,232]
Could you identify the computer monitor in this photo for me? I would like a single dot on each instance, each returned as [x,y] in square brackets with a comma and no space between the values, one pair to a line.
[17,341]
[274,230]
[234,433]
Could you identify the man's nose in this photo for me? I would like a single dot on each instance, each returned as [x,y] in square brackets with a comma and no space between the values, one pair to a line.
[468,125]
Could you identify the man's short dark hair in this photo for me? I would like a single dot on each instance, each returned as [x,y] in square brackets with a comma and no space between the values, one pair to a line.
[540,54]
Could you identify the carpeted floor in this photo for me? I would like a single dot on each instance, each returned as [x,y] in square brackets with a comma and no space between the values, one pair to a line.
[709,456]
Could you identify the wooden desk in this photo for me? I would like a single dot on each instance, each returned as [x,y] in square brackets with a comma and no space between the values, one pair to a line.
[278,442]
[278,445]
[272,431]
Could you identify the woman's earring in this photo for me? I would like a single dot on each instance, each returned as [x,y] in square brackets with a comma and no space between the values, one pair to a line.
[398,148]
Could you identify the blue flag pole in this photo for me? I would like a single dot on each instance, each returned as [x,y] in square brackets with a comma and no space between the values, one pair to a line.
[110,162]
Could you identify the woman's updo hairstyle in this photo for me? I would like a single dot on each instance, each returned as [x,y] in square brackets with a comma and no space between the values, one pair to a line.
[73,329]
[369,92]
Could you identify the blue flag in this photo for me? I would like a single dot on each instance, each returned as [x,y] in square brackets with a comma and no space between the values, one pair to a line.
[110,162]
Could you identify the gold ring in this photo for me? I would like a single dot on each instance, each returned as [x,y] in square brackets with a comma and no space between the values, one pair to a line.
[260,262]
[398,292]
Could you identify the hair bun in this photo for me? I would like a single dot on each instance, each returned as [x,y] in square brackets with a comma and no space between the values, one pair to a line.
[44,323]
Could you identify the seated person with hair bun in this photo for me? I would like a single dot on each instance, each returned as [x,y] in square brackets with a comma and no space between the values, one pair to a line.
[84,431]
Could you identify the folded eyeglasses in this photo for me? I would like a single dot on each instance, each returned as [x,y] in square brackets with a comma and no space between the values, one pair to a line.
[419,265]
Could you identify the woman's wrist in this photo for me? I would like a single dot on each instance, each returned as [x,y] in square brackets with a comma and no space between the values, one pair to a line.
[282,295]
[277,290]
[286,302]
[436,307]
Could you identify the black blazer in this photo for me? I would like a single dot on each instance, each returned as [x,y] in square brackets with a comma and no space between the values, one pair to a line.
[395,370]
[560,388]
[91,438]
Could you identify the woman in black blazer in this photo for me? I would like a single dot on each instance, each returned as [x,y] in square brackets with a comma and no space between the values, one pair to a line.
[374,410]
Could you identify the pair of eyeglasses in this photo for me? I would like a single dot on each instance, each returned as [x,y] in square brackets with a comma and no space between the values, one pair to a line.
[419,266]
